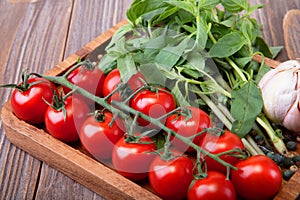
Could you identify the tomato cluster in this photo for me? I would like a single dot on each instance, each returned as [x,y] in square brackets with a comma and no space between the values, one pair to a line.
[170,170]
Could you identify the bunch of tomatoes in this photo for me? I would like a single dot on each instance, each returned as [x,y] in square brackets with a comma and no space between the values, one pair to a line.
[134,147]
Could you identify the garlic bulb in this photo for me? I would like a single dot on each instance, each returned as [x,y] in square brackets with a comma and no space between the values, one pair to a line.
[280,89]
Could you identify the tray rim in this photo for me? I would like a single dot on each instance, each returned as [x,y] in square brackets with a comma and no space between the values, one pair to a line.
[78,166]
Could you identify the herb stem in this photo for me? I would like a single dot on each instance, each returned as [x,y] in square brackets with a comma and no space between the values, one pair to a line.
[235,67]
[120,107]
[277,142]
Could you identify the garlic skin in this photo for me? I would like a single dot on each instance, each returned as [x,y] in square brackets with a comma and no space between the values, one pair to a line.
[280,89]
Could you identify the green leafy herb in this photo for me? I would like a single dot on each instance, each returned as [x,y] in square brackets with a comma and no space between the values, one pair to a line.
[196,47]
[246,105]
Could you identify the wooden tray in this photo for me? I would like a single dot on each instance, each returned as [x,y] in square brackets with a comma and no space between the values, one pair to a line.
[74,162]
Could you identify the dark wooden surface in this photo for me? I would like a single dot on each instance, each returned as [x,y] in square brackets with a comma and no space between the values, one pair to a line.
[37,34]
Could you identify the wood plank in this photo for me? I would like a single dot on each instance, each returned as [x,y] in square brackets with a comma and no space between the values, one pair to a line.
[30,39]
[291,32]
[89,20]
[271,17]
[71,162]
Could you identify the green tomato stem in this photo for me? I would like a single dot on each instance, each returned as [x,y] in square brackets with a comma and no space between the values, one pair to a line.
[121,106]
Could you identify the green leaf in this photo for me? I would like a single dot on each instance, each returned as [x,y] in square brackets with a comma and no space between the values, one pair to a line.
[167,12]
[254,8]
[121,32]
[185,5]
[247,29]
[126,67]
[246,105]
[106,62]
[152,74]
[139,8]
[235,5]
[208,4]
[242,62]
[229,22]
[227,45]
[181,99]
[201,35]
[275,51]
[261,72]
[265,49]
[170,55]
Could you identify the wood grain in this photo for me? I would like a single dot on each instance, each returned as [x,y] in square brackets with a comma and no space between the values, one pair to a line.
[30,39]
[69,161]
[38,34]
[271,17]
[89,19]
[291,30]
[73,162]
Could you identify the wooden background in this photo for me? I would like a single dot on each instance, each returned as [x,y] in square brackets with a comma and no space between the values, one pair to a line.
[37,34]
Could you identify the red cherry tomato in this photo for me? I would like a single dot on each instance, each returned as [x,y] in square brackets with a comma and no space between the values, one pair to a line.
[170,179]
[188,126]
[219,144]
[30,105]
[213,187]
[98,137]
[132,160]
[89,79]
[113,78]
[257,177]
[72,78]
[153,103]
[66,128]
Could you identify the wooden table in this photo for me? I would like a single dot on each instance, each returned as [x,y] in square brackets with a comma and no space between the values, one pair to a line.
[37,34]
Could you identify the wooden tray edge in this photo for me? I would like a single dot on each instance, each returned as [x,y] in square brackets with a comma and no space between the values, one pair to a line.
[70,161]
[63,157]
[102,180]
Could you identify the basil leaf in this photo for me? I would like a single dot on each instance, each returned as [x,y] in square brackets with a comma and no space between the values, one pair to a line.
[152,74]
[170,55]
[265,49]
[167,12]
[242,62]
[185,5]
[201,35]
[227,45]
[208,4]
[139,8]
[126,66]
[181,99]
[246,105]
[275,51]
[235,5]
[121,32]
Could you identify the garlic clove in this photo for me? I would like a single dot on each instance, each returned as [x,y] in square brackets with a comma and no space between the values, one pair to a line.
[280,91]
[279,95]
[292,118]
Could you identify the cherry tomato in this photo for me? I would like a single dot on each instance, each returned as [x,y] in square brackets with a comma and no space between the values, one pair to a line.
[72,78]
[132,160]
[29,105]
[66,128]
[213,187]
[188,126]
[257,177]
[98,137]
[113,78]
[89,79]
[219,144]
[170,179]
[153,103]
